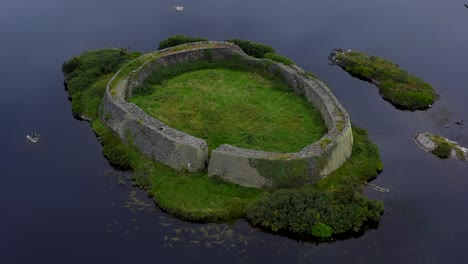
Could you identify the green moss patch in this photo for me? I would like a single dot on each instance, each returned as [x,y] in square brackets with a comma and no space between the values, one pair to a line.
[235,107]
[396,85]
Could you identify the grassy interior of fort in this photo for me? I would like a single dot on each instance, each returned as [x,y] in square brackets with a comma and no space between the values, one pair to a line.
[333,206]
[240,108]
[395,84]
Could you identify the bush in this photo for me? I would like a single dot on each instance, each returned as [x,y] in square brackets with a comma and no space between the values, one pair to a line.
[303,212]
[256,50]
[82,71]
[321,230]
[177,40]
[442,150]
[279,58]
[70,66]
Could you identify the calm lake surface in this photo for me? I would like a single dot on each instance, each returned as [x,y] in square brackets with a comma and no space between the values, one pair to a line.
[60,201]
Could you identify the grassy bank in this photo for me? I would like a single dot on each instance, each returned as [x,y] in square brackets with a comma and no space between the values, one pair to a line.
[235,107]
[395,85]
[196,197]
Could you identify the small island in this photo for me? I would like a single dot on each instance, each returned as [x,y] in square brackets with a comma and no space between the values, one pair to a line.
[313,193]
[441,147]
[404,91]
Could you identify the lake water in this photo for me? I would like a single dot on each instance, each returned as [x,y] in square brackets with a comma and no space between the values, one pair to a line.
[59,200]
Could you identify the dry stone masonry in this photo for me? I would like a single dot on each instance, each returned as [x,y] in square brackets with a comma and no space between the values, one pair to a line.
[250,168]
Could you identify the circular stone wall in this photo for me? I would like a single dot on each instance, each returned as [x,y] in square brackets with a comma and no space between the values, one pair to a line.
[245,167]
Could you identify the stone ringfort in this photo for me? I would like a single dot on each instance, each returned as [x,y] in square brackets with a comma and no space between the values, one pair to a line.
[250,168]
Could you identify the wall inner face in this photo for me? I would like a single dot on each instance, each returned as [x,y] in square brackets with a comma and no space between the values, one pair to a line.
[250,168]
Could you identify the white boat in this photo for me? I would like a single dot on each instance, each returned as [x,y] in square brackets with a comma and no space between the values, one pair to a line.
[178,8]
[33,137]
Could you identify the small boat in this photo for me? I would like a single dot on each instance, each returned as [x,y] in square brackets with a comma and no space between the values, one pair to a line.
[33,137]
[178,8]
[466,5]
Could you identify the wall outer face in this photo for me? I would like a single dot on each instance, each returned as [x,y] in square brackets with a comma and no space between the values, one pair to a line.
[248,168]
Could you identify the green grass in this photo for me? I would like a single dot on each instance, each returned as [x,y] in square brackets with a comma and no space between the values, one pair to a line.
[178,40]
[395,85]
[235,107]
[363,165]
[196,197]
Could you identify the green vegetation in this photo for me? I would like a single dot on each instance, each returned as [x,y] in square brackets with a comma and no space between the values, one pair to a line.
[444,148]
[83,71]
[177,40]
[196,197]
[253,49]
[193,197]
[278,58]
[235,107]
[396,85]
[303,212]
[321,230]
[334,206]
[363,165]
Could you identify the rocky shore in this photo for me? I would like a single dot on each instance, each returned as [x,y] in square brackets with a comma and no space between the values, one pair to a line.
[440,146]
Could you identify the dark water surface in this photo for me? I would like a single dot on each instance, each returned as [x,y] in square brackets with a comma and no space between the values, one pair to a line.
[59,202]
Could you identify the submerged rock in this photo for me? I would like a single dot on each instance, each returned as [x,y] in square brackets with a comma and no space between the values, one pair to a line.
[379,189]
[440,146]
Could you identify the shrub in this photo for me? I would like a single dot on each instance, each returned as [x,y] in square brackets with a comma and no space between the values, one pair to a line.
[177,40]
[442,150]
[82,71]
[256,50]
[279,58]
[321,230]
[71,65]
[304,211]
